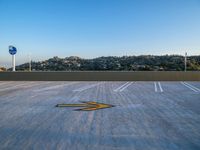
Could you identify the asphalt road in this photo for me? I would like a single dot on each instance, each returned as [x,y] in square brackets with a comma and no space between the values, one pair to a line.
[146,116]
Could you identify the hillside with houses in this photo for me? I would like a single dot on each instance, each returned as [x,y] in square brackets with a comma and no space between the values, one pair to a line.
[113,63]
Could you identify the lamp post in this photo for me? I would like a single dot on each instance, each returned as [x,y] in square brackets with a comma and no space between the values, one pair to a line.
[30,67]
[185,61]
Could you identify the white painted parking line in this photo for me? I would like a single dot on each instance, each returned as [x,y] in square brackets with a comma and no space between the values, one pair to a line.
[29,118]
[54,87]
[155,86]
[86,87]
[161,89]
[4,83]
[119,88]
[158,87]
[15,86]
[193,88]
[122,89]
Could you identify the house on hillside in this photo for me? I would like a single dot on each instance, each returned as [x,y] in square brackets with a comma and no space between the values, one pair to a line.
[2,69]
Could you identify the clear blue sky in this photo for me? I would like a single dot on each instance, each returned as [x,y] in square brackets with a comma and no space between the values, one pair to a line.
[92,28]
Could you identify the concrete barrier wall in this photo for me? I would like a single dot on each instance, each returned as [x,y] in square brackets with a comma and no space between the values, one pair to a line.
[101,76]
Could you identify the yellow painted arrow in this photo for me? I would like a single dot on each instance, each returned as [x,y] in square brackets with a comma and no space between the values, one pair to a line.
[88,106]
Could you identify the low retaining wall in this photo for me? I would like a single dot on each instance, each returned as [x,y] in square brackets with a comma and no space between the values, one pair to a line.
[101,76]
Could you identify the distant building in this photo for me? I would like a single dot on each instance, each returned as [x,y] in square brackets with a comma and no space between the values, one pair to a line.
[2,69]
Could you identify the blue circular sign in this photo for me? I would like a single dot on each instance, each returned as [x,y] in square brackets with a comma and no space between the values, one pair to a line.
[12,50]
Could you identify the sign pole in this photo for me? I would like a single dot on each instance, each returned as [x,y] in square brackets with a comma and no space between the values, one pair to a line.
[13,62]
[185,61]
[12,51]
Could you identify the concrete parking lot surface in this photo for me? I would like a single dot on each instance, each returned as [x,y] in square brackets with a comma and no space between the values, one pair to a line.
[146,115]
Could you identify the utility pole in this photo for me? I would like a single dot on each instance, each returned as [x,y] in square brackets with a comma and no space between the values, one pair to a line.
[185,61]
[29,62]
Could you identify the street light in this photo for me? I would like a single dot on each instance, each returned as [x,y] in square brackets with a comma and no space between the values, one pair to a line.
[185,61]
[30,67]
